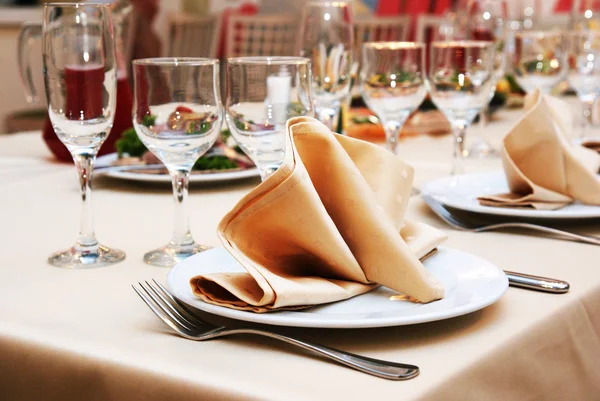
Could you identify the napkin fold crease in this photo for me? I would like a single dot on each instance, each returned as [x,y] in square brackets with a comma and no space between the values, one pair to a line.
[326,226]
[542,168]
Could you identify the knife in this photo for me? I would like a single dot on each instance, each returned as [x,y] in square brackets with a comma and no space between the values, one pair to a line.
[129,167]
[537,283]
[528,281]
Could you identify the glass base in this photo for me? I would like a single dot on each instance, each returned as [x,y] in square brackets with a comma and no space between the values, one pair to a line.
[78,257]
[171,254]
[482,149]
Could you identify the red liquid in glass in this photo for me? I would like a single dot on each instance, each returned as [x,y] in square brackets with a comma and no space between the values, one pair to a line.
[84,91]
[482,34]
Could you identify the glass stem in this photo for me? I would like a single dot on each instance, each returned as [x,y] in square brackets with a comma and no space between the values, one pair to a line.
[392,132]
[484,116]
[85,166]
[586,121]
[181,230]
[266,172]
[459,133]
[329,117]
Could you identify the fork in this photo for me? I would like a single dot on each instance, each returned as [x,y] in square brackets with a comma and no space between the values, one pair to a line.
[184,322]
[463,225]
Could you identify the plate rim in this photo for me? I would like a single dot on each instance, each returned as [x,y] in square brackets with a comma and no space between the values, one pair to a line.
[502,211]
[290,321]
[162,178]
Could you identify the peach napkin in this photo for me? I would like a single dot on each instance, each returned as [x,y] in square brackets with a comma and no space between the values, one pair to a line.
[543,169]
[326,226]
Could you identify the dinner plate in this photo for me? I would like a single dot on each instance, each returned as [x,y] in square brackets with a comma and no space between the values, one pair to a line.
[471,283]
[107,160]
[461,192]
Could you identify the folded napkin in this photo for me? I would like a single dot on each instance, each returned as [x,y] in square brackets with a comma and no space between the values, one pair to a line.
[543,169]
[327,225]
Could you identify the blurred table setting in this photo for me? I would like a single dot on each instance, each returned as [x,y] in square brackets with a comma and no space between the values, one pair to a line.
[390,206]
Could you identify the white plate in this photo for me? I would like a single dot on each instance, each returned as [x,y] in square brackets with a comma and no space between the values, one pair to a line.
[461,192]
[471,283]
[106,160]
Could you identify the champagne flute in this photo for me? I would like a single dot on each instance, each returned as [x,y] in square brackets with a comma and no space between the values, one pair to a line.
[327,39]
[461,76]
[392,83]
[539,60]
[177,114]
[583,50]
[80,75]
[262,94]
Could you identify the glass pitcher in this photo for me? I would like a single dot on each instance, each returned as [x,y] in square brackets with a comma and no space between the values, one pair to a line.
[123,20]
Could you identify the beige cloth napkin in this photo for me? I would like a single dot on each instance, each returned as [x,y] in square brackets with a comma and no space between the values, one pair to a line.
[323,228]
[543,169]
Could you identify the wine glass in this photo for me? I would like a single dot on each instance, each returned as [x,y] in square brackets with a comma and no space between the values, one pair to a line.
[262,94]
[461,76]
[583,50]
[392,83]
[177,114]
[523,14]
[454,26]
[539,59]
[585,15]
[80,75]
[487,20]
[327,38]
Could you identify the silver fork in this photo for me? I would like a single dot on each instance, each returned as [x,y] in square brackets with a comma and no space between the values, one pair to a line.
[463,225]
[185,323]
[520,280]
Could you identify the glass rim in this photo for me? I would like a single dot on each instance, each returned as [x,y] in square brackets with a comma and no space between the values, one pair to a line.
[463,43]
[76,5]
[176,61]
[268,60]
[581,33]
[327,3]
[395,45]
[540,33]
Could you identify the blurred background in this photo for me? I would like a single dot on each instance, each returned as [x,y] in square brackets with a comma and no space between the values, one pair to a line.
[161,24]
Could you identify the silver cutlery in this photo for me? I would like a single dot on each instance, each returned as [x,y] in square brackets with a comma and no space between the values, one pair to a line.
[520,280]
[537,283]
[463,225]
[128,167]
[188,325]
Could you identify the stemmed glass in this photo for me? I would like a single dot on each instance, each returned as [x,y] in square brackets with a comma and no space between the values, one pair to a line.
[262,94]
[177,114]
[585,15]
[327,39]
[80,75]
[539,59]
[461,77]
[487,21]
[583,50]
[392,83]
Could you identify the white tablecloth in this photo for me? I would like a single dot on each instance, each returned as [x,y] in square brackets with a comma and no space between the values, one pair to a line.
[86,335]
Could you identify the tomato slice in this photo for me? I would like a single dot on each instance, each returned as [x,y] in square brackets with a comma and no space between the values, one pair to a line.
[183,109]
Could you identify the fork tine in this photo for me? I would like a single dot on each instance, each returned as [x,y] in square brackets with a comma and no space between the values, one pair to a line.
[183,309]
[442,213]
[166,310]
[173,308]
[158,312]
